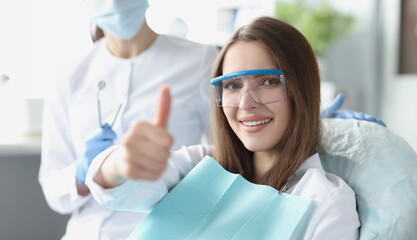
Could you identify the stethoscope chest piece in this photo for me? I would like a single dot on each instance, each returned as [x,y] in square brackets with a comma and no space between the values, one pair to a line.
[101,85]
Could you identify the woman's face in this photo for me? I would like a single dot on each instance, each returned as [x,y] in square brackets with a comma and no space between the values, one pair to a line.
[260,127]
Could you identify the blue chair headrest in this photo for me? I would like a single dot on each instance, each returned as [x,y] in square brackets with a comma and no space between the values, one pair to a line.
[381,167]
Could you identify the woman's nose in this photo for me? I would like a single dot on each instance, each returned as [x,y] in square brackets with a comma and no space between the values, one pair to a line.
[247,100]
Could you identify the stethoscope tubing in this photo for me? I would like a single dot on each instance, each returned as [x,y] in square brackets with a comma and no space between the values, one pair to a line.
[100,86]
[117,113]
[99,109]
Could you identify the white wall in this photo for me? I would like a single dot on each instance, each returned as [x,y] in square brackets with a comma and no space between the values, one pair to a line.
[38,40]
[399,99]
[209,22]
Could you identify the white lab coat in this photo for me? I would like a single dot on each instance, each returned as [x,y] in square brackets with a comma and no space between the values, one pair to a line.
[71,117]
[334,215]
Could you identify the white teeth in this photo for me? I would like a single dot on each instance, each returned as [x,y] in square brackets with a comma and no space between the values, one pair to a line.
[256,122]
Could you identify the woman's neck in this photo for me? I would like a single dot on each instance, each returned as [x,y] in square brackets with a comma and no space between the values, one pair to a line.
[263,162]
[132,47]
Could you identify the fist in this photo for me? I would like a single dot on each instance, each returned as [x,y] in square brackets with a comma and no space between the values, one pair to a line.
[145,150]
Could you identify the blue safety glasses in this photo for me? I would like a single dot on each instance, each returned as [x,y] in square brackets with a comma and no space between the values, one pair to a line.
[263,85]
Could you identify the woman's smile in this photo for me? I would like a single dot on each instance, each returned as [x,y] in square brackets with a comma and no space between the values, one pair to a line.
[255,123]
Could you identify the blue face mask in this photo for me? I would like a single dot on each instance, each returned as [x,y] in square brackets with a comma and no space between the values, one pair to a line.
[120,18]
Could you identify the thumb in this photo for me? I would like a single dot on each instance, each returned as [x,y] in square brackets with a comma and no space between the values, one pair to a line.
[335,105]
[163,107]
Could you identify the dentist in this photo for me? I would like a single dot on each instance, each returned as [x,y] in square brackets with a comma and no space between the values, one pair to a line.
[96,100]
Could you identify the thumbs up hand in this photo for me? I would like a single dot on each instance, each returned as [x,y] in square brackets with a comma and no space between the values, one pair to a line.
[145,150]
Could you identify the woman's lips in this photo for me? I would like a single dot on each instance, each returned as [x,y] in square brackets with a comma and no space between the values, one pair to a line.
[255,125]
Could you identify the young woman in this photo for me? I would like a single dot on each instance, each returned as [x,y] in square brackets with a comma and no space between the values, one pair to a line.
[266,98]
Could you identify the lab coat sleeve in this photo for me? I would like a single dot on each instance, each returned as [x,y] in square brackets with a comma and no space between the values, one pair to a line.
[205,89]
[141,195]
[337,220]
[57,169]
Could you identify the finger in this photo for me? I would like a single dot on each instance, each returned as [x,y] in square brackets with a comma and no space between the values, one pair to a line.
[160,138]
[369,118]
[163,107]
[154,169]
[153,161]
[133,171]
[149,146]
[108,134]
[346,114]
[142,174]
[145,132]
[337,102]
[335,105]
[149,154]
[380,122]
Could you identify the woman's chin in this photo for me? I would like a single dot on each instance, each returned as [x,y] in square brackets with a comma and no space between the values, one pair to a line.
[254,147]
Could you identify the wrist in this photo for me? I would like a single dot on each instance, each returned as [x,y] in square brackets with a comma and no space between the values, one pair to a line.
[82,189]
[108,175]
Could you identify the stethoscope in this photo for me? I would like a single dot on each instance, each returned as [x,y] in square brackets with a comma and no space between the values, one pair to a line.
[100,86]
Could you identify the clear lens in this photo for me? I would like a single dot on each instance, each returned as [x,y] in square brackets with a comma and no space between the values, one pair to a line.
[263,88]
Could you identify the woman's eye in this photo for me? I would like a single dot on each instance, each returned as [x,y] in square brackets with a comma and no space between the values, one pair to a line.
[231,85]
[271,82]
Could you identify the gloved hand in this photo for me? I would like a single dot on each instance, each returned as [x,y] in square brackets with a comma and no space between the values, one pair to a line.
[93,147]
[332,111]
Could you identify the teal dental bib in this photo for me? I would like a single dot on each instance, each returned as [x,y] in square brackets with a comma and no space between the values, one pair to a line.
[212,203]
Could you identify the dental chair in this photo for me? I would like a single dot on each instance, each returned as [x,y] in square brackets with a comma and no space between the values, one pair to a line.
[381,167]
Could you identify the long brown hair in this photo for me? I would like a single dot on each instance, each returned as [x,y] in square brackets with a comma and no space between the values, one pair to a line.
[293,54]
[96,33]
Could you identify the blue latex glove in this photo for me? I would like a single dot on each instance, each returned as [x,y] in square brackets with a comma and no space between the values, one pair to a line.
[332,111]
[93,147]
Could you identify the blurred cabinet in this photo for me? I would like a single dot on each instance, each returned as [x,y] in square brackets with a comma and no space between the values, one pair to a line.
[24,213]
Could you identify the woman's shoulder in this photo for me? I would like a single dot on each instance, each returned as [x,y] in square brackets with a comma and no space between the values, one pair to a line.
[334,201]
[315,183]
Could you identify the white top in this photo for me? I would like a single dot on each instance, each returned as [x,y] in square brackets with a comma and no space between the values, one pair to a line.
[334,215]
[70,118]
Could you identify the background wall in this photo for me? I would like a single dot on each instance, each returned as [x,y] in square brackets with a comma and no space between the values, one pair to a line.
[399,97]
[364,65]
[352,61]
